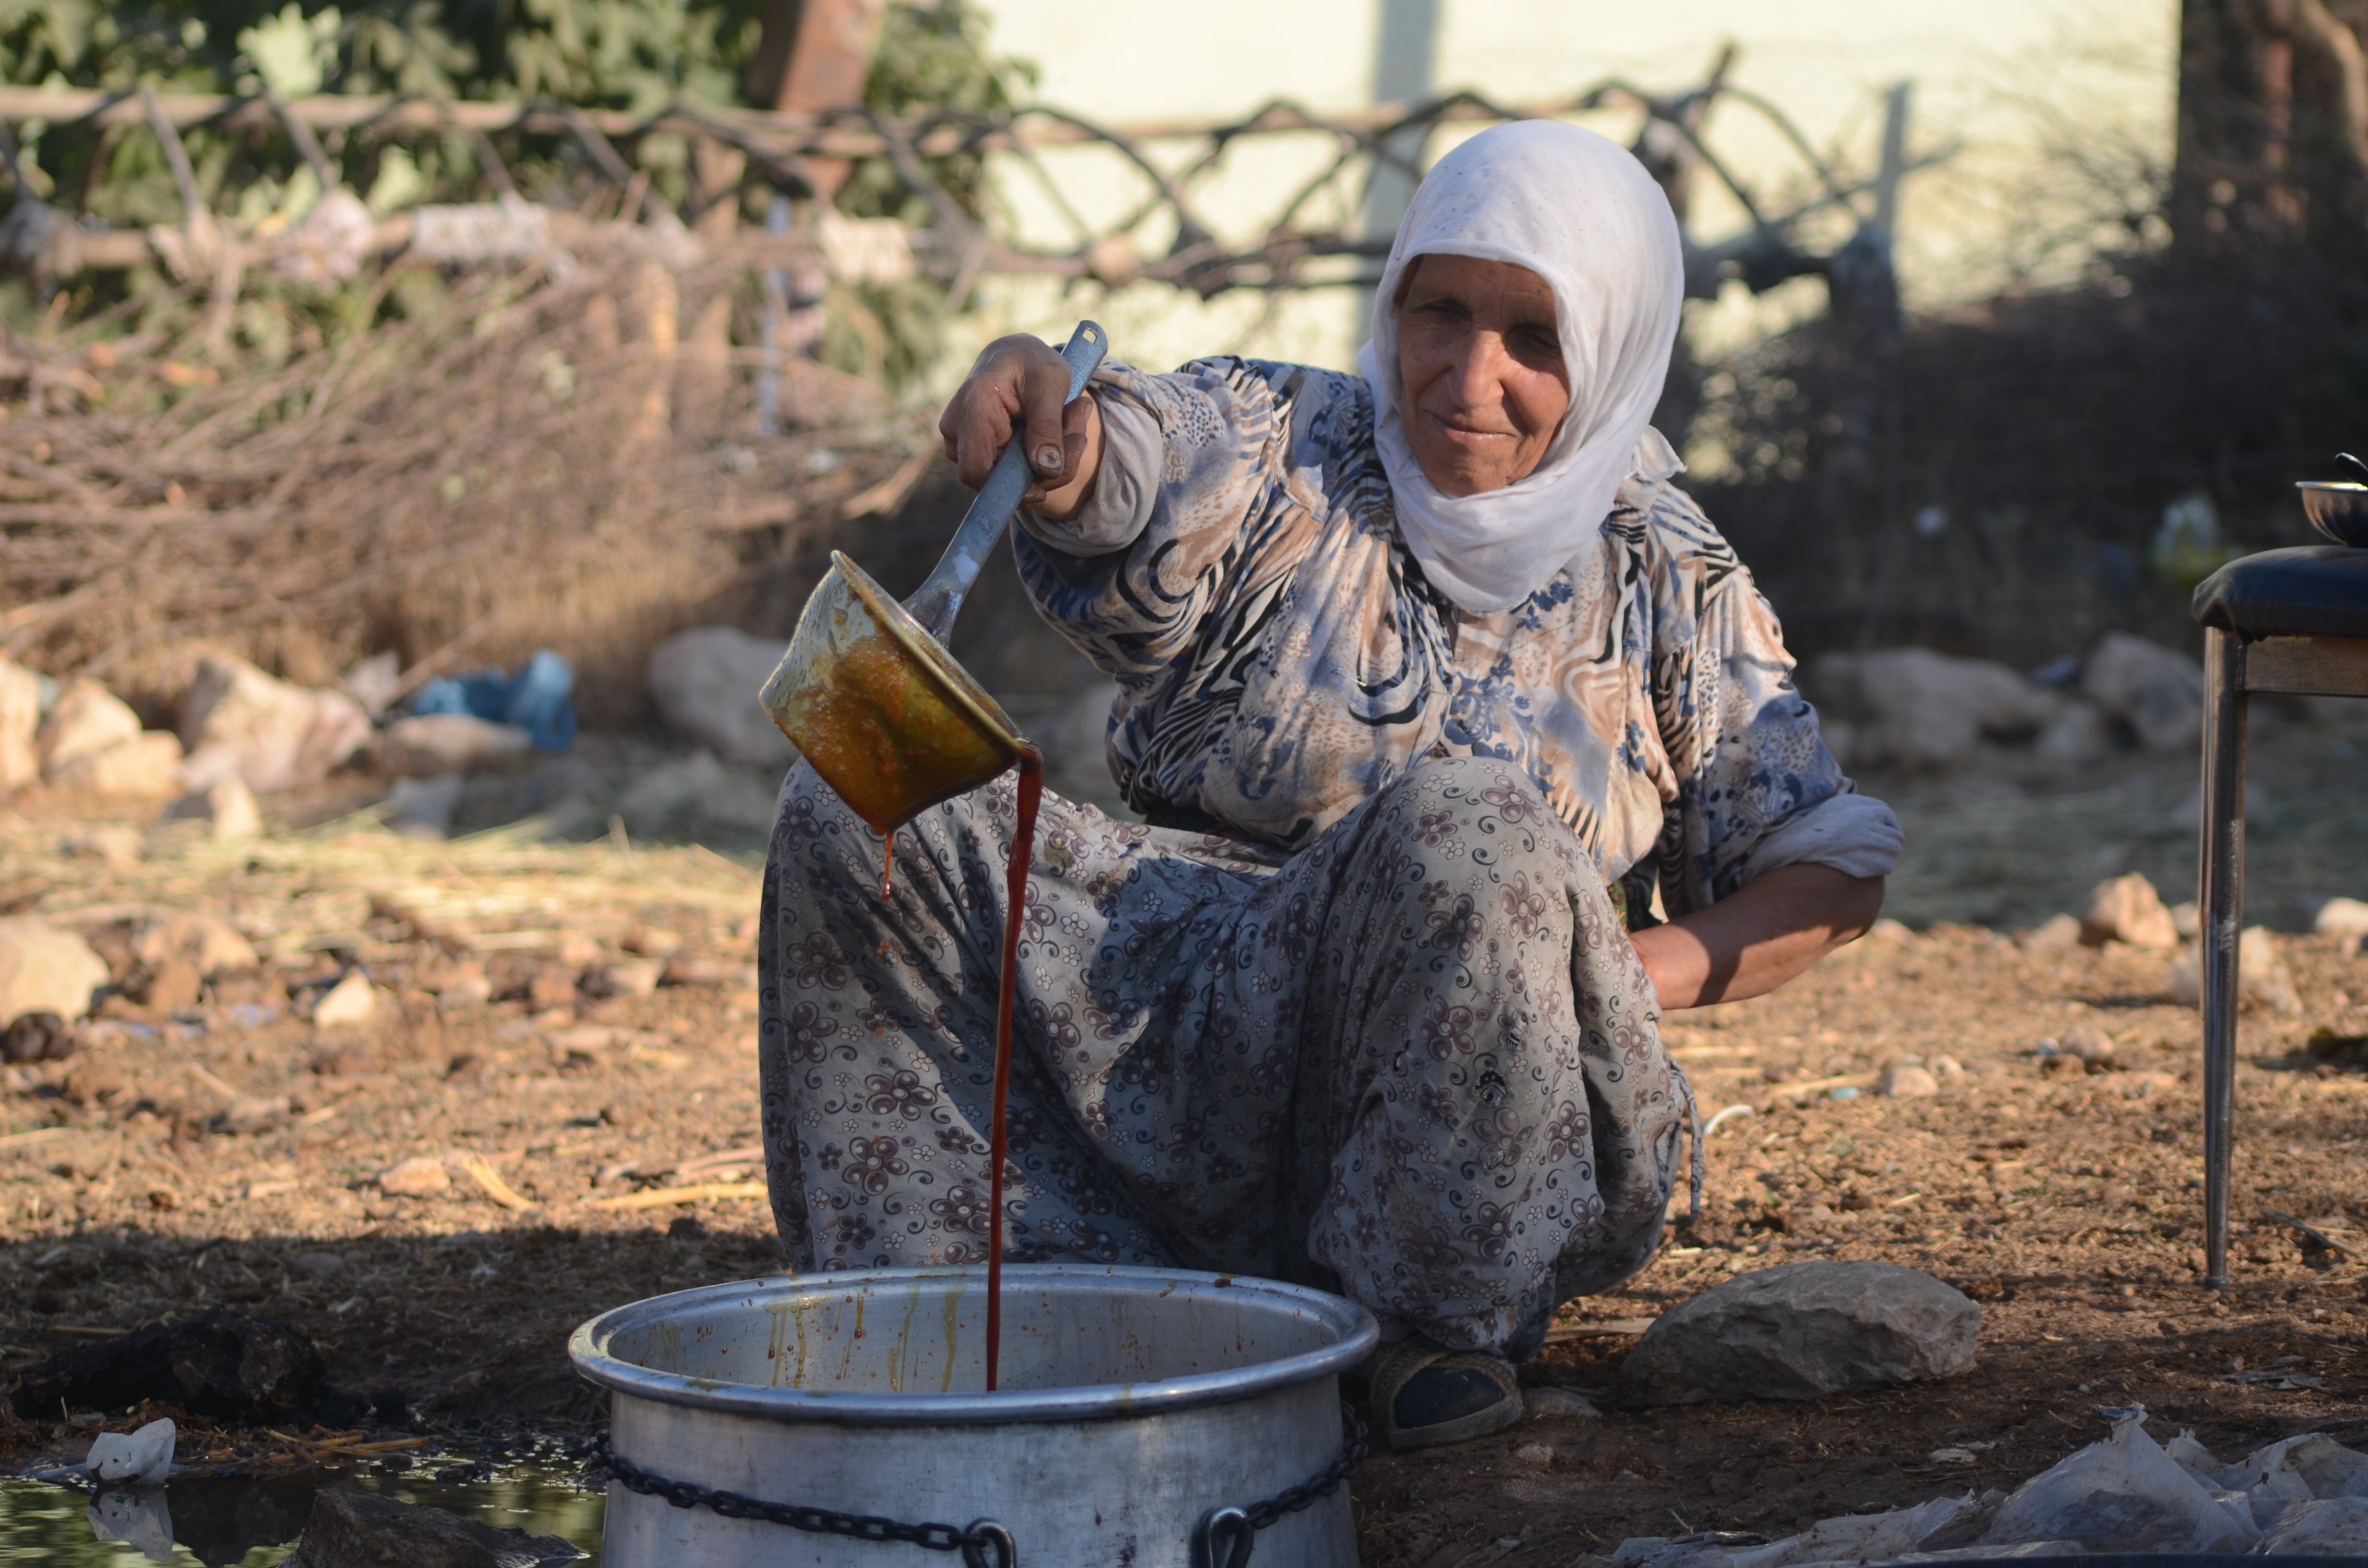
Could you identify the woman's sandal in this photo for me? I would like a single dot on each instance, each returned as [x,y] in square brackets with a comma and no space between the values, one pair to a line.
[1424,1396]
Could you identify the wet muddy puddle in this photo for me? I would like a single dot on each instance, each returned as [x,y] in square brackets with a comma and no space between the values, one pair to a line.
[218,1521]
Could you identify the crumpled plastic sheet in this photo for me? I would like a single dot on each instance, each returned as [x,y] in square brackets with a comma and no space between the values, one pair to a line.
[128,1471]
[2307,1495]
[143,1457]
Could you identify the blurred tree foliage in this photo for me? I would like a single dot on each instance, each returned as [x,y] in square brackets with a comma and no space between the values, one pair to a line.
[631,55]
[931,58]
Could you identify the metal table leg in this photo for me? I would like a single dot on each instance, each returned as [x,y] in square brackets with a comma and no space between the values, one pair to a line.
[2221,905]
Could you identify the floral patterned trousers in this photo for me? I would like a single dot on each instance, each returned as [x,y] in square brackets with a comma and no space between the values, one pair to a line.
[1418,1062]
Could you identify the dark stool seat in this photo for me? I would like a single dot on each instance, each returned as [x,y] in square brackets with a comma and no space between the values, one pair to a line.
[2317,590]
[2292,620]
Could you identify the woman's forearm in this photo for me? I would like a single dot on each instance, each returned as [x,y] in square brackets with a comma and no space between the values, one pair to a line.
[1746,945]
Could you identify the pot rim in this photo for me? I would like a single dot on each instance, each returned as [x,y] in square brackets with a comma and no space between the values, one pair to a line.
[955,685]
[1356,1336]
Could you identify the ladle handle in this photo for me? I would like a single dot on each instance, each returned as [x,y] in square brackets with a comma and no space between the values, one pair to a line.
[939,600]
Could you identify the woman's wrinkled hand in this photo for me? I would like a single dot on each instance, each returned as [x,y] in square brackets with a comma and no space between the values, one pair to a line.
[1020,381]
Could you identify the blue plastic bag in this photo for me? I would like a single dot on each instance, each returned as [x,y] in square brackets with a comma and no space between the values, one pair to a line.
[536,700]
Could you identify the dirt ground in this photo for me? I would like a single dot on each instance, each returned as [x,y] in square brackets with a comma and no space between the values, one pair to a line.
[177,1162]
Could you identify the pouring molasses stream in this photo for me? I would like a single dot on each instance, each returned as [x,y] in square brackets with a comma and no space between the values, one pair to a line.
[872,699]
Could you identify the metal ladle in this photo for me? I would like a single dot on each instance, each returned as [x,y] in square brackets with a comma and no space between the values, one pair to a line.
[868,694]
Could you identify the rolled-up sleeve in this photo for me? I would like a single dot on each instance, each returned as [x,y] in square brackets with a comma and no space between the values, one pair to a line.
[1125,484]
[1856,834]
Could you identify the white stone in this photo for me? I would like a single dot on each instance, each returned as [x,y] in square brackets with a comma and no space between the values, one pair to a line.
[2262,974]
[1802,1331]
[2127,909]
[2345,919]
[422,1176]
[45,969]
[373,682]
[627,977]
[2051,935]
[20,721]
[705,682]
[238,720]
[423,808]
[2157,691]
[226,806]
[318,1265]
[87,720]
[144,766]
[118,843]
[699,787]
[1558,1404]
[428,744]
[465,986]
[207,943]
[2087,1042]
[1916,708]
[2080,733]
[352,1000]
[1907,1082]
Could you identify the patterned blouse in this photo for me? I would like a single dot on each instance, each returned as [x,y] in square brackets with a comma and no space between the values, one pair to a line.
[1281,656]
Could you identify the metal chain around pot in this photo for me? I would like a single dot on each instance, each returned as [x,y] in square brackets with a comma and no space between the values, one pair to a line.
[982,1544]
[1225,1537]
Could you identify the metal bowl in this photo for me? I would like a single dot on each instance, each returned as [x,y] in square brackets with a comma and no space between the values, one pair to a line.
[2337,510]
[882,712]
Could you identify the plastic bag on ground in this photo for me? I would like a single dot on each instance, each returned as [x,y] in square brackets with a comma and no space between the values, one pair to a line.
[2123,1494]
[1854,1539]
[2194,1458]
[1861,1538]
[537,699]
[2311,1465]
[2330,1527]
[143,1457]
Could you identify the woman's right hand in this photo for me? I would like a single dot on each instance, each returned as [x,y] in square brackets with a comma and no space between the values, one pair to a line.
[1021,380]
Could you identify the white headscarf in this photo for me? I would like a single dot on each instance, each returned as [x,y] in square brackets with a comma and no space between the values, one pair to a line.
[1580,212]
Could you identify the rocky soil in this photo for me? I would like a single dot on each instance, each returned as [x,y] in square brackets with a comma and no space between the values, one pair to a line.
[229,1152]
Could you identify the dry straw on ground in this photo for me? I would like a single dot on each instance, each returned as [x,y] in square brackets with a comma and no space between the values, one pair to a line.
[350,884]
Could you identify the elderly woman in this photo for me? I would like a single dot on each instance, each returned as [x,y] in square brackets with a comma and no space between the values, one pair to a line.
[1428,679]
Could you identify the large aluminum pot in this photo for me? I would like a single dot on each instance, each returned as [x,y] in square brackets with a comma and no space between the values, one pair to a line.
[1132,1402]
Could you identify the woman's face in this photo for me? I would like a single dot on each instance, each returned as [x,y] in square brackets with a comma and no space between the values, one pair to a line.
[1485,388]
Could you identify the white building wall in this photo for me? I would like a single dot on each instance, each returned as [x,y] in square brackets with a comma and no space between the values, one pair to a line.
[2006,82]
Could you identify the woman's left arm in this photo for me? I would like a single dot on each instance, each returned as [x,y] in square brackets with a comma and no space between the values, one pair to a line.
[1754,940]
[1770,859]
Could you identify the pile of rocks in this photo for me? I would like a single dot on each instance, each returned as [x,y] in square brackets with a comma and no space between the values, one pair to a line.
[239,731]
[1913,708]
[2127,910]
